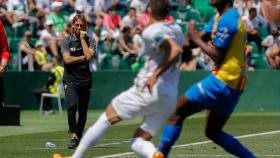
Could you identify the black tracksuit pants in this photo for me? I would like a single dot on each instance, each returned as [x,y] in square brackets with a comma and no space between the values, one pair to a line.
[77,97]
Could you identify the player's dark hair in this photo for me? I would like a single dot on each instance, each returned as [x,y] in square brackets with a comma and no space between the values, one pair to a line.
[252,10]
[160,9]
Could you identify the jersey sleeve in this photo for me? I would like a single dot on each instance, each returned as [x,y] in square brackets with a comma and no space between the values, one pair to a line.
[158,38]
[152,37]
[225,32]
[4,47]
[65,45]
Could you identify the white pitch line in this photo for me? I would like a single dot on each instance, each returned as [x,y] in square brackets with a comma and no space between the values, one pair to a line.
[116,143]
[100,145]
[196,143]
[243,136]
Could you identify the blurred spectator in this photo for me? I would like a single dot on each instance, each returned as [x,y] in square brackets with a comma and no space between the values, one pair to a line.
[144,18]
[130,19]
[252,23]
[125,43]
[51,86]
[56,17]
[67,30]
[87,6]
[112,22]
[106,45]
[272,42]
[102,6]
[27,52]
[274,57]
[78,10]
[20,8]
[97,28]
[32,19]
[139,5]
[252,4]
[240,5]
[41,57]
[41,17]
[44,5]
[69,5]
[50,37]
[5,15]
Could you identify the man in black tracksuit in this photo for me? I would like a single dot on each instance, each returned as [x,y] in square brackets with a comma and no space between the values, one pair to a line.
[77,50]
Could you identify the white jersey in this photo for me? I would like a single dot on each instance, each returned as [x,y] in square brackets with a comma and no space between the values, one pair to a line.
[153,36]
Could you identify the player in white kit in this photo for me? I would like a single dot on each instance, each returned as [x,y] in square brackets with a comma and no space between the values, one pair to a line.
[154,92]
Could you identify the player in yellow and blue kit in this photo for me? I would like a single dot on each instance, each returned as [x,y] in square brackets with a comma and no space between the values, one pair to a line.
[223,40]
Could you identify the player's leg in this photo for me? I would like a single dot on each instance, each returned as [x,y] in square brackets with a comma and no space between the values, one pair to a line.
[115,112]
[156,109]
[140,142]
[97,131]
[214,126]
[172,129]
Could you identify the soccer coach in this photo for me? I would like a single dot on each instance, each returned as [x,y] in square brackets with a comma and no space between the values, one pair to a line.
[77,50]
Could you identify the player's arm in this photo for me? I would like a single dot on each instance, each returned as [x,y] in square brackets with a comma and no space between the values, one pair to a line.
[88,51]
[203,35]
[172,50]
[217,54]
[67,58]
[189,44]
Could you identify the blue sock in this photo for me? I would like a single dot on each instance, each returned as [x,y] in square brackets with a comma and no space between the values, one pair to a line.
[168,138]
[233,146]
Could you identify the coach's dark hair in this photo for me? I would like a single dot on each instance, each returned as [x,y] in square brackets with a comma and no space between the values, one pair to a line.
[77,17]
[160,9]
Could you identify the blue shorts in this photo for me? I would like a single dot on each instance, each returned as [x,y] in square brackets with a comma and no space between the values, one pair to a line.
[211,93]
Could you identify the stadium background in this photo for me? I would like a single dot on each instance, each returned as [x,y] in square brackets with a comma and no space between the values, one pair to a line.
[256,119]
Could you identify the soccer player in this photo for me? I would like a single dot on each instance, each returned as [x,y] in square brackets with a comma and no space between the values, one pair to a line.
[154,92]
[223,40]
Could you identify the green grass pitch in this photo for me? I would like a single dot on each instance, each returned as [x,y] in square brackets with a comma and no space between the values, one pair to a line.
[259,131]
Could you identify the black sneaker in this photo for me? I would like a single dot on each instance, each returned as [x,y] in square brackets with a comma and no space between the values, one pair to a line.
[73,143]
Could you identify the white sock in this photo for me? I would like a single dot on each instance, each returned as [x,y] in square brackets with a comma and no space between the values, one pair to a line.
[143,147]
[92,135]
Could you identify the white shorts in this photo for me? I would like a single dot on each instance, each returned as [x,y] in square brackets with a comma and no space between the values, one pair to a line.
[155,108]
